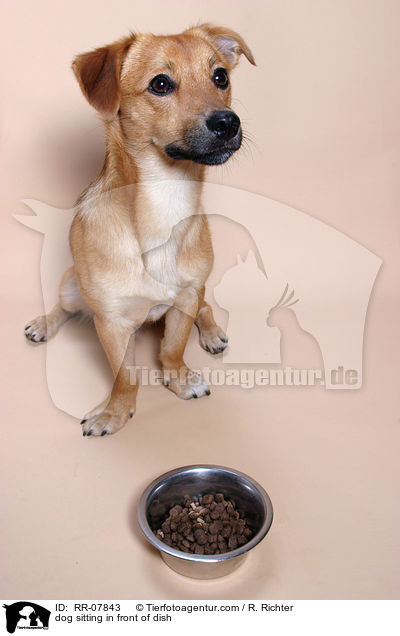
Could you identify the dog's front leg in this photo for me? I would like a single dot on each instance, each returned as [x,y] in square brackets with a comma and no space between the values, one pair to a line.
[212,338]
[118,342]
[178,324]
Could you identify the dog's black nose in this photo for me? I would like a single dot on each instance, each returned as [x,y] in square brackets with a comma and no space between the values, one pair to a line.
[224,124]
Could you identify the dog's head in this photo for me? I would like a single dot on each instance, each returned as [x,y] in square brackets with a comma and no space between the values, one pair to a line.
[172,92]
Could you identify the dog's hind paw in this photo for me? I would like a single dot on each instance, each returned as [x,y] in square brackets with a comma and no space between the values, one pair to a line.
[36,330]
[213,339]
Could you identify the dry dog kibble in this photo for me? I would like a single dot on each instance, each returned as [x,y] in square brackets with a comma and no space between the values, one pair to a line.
[210,525]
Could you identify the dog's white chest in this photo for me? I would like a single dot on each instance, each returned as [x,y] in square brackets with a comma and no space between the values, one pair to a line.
[171,203]
[160,268]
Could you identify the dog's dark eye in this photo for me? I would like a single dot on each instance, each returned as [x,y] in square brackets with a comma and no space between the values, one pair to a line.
[220,78]
[161,85]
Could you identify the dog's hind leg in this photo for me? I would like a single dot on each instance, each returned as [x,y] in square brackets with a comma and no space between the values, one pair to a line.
[212,338]
[70,303]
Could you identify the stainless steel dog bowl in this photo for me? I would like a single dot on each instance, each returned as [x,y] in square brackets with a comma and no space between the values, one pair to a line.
[190,482]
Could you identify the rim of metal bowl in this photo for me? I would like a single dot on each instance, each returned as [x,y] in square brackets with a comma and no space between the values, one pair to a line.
[207,558]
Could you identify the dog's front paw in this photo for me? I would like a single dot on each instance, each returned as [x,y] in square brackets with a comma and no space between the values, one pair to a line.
[104,423]
[185,383]
[213,339]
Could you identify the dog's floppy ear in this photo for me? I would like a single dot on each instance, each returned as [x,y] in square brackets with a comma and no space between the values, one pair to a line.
[230,43]
[98,74]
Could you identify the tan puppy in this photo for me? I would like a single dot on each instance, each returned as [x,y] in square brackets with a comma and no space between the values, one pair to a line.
[140,241]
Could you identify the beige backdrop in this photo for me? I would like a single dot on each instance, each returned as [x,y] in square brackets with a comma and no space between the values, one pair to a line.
[322,110]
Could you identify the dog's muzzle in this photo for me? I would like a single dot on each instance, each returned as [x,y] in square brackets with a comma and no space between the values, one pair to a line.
[213,142]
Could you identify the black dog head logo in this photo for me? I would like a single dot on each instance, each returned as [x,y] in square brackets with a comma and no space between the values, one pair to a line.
[26,614]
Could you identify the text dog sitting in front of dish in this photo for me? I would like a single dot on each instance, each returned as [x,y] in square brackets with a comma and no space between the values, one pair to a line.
[140,241]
